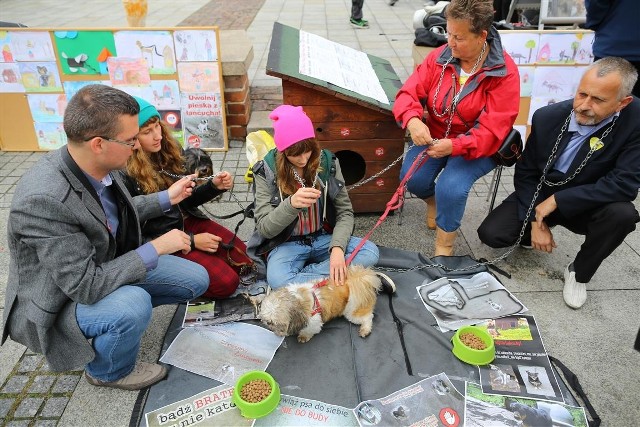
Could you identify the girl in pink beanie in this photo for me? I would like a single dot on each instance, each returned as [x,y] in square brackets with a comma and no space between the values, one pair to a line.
[303,213]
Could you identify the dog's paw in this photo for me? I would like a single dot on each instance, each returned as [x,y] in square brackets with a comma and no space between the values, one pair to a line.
[365,330]
[303,338]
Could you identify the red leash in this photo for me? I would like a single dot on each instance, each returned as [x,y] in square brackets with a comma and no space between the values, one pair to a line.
[396,202]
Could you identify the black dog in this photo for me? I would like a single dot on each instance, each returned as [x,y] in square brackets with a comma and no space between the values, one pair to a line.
[198,161]
[529,416]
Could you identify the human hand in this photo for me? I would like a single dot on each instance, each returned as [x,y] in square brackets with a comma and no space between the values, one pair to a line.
[541,237]
[420,134]
[545,208]
[305,197]
[181,189]
[223,181]
[337,266]
[440,148]
[207,242]
[172,241]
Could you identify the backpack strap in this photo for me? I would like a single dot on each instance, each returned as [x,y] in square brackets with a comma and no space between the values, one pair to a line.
[572,380]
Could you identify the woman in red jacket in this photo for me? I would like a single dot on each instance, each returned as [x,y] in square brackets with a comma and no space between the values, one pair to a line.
[458,105]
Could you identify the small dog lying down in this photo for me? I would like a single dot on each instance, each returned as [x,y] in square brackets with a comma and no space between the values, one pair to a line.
[303,308]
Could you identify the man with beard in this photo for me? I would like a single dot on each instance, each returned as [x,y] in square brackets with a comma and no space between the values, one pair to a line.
[581,170]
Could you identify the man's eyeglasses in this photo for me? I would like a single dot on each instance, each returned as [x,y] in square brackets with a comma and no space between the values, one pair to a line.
[129,142]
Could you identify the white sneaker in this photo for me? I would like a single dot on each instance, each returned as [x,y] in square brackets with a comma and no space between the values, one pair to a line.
[574,293]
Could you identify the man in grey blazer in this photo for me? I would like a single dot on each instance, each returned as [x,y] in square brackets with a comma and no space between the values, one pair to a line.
[78,269]
[580,170]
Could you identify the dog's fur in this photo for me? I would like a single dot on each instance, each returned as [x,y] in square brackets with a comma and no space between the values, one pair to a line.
[288,310]
[198,161]
[529,416]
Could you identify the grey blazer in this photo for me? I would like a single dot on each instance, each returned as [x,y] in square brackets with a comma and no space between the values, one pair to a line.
[61,253]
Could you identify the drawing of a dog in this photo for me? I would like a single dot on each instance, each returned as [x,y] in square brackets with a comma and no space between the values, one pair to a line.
[198,161]
[303,308]
[203,126]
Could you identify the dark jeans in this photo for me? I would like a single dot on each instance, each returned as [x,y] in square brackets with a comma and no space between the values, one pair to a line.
[604,228]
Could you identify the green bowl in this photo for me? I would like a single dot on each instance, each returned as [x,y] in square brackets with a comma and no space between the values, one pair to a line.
[470,355]
[259,409]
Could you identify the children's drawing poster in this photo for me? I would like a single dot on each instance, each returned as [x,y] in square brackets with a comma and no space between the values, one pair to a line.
[558,81]
[6,54]
[32,46]
[72,87]
[84,52]
[521,46]
[50,136]
[10,79]
[47,108]
[40,76]
[128,71]
[563,48]
[196,45]
[526,80]
[195,77]
[202,121]
[541,101]
[156,47]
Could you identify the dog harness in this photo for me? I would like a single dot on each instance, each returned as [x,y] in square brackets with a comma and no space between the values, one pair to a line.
[317,308]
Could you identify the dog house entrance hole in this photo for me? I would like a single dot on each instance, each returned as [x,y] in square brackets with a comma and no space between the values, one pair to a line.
[352,165]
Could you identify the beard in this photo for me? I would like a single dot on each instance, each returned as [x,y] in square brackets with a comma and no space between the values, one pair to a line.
[586,118]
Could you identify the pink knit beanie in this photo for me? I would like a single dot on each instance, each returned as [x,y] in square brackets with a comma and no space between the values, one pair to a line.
[290,125]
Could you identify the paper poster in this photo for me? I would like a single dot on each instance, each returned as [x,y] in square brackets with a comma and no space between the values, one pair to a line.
[521,367]
[156,47]
[564,48]
[202,120]
[223,352]
[207,313]
[434,401]
[298,412]
[6,54]
[40,76]
[199,77]
[559,82]
[542,101]
[10,78]
[47,108]
[173,119]
[84,52]
[32,46]
[195,45]
[483,410]
[72,87]
[50,136]
[211,407]
[458,302]
[163,94]
[527,75]
[128,71]
[522,130]
[521,46]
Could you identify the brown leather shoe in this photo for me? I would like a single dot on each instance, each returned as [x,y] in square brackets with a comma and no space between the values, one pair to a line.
[142,376]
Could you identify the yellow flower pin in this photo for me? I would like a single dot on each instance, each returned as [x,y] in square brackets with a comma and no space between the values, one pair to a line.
[595,143]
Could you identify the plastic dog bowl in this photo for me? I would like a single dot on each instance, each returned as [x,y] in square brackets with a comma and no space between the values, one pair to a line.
[258,409]
[470,355]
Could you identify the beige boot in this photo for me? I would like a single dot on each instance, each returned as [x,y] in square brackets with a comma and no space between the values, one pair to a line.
[444,242]
[431,212]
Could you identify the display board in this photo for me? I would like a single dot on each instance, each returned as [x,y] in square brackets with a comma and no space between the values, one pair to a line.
[175,69]
[550,63]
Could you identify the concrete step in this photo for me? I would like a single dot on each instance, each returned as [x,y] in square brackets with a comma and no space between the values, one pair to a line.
[260,121]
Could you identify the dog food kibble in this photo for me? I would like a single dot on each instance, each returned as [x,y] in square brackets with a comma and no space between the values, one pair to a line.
[255,391]
[473,341]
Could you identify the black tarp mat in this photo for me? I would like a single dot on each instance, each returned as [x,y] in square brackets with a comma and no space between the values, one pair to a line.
[340,368]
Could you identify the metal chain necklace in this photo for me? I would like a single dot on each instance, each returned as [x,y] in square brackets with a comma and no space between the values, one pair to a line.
[301,180]
[204,178]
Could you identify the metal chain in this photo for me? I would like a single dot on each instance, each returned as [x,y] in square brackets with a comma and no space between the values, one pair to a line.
[205,178]
[374,176]
[301,180]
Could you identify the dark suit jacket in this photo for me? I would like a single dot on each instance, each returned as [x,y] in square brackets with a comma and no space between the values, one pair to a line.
[61,253]
[612,174]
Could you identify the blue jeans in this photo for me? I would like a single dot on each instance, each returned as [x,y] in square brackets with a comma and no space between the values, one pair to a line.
[116,322]
[457,176]
[297,262]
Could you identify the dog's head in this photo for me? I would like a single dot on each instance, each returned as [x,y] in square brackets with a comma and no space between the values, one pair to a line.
[282,313]
[198,161]
[528,415]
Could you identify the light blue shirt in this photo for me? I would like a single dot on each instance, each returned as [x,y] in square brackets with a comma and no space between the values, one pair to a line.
[580,135]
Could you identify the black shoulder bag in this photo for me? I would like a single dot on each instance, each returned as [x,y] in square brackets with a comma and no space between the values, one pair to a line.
[510,151]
